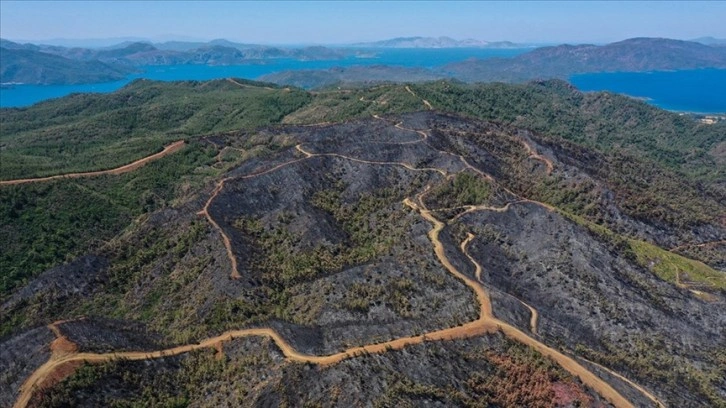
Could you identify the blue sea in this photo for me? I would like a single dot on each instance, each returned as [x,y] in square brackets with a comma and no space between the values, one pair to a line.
[699,91]
[24,95]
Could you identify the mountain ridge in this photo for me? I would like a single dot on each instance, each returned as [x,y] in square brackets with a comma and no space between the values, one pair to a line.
[437,42]
[562,61]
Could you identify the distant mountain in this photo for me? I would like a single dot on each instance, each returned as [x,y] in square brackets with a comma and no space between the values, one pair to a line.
[16,46]
[562,61]
[46,64]
[130,54]
[35,67]
[192,45]
[710,40]
[179,45]
[129,49]
[216,52]
[435,42]
[88,42]
[634,55]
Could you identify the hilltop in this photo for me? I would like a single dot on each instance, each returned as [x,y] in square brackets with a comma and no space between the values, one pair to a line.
[437,243]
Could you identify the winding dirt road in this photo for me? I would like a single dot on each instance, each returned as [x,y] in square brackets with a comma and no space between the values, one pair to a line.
[381,163]
[463,246]
[642,390]
[534,315]
[472,208]
[172,148]
[531,152]
[487,319]
[205,211]
[534,155]
[241,85]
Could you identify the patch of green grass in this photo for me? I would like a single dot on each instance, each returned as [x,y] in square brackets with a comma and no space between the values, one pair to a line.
[666,265]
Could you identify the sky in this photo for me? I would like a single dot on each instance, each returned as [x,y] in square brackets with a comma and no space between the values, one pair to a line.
[330,22]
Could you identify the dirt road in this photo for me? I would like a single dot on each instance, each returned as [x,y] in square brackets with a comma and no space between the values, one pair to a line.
[249,86]
[425,102]
[534,155]
[172,148]
[205,211]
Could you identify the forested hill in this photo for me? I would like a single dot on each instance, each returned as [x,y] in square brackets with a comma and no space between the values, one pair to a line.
[562,61]
[34,67]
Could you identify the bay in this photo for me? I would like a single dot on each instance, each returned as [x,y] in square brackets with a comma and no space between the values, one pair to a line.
[697,91]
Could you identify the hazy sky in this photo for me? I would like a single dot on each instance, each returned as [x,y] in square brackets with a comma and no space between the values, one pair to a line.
[345,22]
